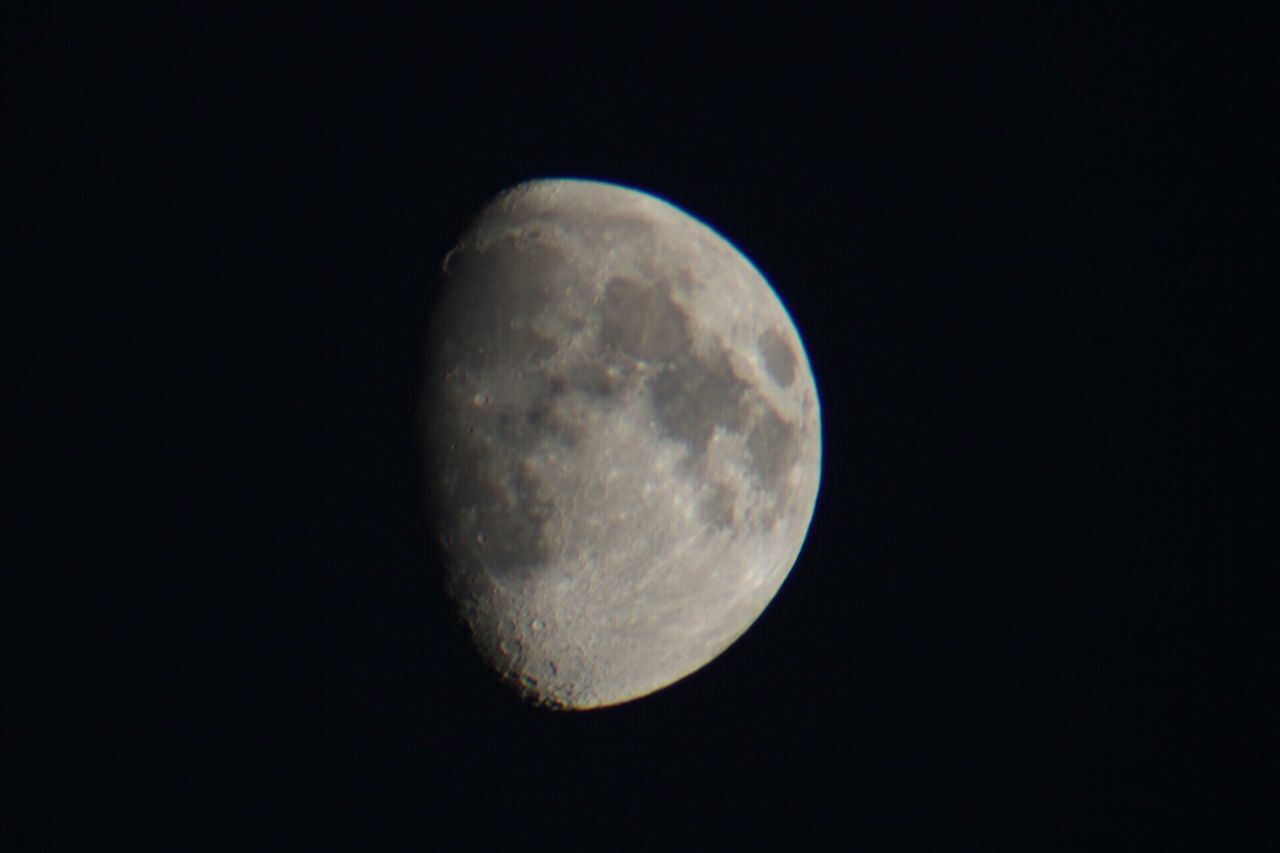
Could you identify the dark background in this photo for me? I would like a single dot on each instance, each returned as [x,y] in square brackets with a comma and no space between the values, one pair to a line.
[1013,623]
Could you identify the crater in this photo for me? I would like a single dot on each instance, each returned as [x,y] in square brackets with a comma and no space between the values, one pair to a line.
[779,360]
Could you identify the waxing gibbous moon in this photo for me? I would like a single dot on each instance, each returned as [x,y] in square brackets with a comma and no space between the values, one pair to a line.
[621,440]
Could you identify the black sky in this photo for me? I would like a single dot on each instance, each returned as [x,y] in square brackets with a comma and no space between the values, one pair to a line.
[1005,628]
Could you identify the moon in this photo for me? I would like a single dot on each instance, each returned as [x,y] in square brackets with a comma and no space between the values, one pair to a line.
[621,440]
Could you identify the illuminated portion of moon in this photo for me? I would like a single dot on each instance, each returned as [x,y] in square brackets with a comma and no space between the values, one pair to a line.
[621,440]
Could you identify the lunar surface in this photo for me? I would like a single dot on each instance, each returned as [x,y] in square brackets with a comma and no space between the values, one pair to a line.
[621,440]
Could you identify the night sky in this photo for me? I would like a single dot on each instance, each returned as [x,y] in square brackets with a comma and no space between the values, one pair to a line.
[1006,627]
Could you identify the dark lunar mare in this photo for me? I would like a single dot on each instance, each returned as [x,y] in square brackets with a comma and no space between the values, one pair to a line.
[488,508]
[693,394]
[488,511]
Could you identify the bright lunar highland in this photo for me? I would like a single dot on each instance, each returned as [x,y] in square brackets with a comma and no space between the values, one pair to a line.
[621,440]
